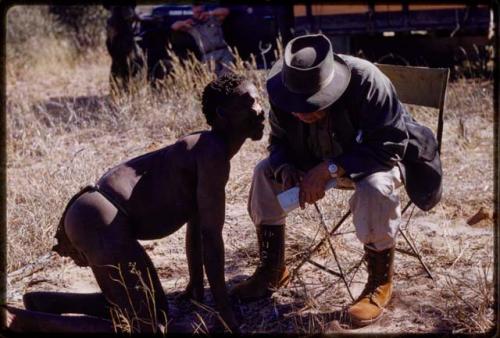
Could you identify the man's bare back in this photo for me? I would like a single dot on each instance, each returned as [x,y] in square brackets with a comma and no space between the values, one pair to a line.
[158,189]
[149,197]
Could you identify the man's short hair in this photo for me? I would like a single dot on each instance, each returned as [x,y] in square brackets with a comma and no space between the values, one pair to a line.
[217,92]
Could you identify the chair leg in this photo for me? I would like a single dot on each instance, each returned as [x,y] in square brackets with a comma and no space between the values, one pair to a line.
[307,258]
[415,254]
[318,246]
[327,235]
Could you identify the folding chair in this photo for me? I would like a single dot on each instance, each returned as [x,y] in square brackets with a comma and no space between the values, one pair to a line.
[416,86]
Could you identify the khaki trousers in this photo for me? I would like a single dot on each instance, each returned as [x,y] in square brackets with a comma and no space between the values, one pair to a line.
[375,205]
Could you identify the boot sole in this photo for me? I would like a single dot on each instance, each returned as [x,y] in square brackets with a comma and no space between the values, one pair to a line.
[358,323]
[282,283]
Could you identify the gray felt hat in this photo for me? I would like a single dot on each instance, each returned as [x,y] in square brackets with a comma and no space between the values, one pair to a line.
[309,77]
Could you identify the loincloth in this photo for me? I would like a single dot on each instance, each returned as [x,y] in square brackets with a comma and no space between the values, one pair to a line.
[64,247]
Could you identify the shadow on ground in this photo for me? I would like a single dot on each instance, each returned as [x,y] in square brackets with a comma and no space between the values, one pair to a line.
[289,315]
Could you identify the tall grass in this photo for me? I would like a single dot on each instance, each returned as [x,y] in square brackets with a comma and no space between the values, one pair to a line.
[64,131]
[125,322]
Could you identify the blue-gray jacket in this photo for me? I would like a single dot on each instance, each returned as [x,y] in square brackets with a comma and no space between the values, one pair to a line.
[366,131]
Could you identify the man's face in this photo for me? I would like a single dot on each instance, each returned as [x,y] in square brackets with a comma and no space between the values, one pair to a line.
[310,117]
[244,112]
[197,10]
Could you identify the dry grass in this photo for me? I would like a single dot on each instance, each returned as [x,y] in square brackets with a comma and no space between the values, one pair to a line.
[64,131]
[131,323]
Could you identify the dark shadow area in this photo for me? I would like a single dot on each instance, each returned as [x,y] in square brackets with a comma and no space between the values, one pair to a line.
[261,316]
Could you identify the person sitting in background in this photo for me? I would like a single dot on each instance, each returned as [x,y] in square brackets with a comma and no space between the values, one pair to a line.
[206,28]
[146,198]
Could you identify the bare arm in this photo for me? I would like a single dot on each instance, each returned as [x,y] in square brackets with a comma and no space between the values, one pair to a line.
[220,13]
[182,25]
[194,289]
[213,173]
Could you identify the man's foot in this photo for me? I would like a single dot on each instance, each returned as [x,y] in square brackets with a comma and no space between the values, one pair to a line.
[260,285]
[377,293]
[10,320]
[271,272]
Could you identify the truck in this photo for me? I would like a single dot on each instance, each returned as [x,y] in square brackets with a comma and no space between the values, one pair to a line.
[434,35]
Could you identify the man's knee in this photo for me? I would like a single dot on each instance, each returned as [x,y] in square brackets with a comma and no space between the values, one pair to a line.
[376,209]
[262,169]
[260,184]
[375,186]
[263,206]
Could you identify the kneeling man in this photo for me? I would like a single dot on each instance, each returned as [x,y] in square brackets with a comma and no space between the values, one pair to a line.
[146,198]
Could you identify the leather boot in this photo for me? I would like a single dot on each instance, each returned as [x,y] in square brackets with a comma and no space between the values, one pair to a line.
[271,273]
[378,290]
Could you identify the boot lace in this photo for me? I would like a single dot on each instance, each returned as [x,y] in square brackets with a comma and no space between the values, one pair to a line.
[372,287]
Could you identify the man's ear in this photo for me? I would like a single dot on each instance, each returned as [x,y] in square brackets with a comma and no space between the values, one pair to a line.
[220,112]
[220,117]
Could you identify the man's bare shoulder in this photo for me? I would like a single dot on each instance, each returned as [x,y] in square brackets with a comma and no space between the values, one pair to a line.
[206,145]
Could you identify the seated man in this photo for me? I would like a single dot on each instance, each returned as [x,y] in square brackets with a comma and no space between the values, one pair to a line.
[206,29]
[338,116]
[146,198]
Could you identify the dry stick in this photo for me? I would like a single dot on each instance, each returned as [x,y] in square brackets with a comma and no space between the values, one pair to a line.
[212,311]
[316,248]
[31,268]
[201,326]
[327,234]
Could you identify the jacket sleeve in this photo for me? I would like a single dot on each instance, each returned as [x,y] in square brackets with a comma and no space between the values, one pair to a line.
[381,131]
[277,141]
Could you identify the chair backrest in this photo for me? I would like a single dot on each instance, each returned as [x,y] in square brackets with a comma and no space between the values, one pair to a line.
[420,86]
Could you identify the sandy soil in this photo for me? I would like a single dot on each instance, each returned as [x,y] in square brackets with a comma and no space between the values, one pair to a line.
[457,254]
[53,152]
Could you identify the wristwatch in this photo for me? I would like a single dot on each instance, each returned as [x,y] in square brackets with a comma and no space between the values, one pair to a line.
[332,169]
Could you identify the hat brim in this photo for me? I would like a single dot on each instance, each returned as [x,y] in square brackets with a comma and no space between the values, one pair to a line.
[284,99]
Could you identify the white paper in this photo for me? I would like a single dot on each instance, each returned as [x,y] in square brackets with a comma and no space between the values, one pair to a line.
[289,199]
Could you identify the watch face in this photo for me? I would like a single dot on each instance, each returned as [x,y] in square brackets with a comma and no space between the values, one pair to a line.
[332,168]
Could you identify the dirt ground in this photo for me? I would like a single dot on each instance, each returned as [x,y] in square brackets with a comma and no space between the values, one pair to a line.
[63,133]
[460,258]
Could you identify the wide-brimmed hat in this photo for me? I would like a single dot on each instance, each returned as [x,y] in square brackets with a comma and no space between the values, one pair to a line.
[309,77]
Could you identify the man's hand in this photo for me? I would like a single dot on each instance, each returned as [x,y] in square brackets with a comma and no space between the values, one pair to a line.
[290,177]
[312,186]
[182,25]
[204,16]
